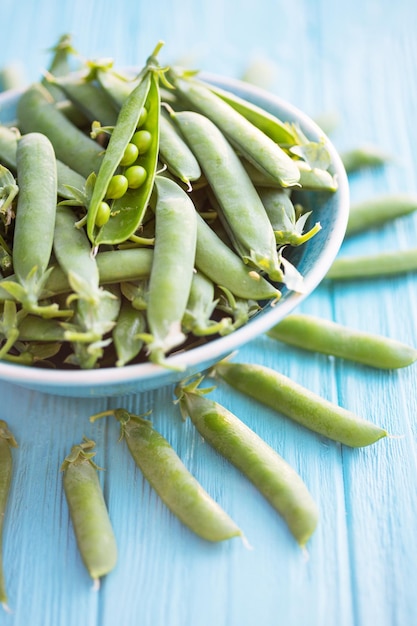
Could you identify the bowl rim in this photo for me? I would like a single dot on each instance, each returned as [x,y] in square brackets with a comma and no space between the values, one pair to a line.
[215,349]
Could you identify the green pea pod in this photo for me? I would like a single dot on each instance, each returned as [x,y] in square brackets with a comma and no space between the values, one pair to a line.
[172,481]
[114,266]
[130,323]
[259,462]
[279,131]
[244,214]
[201,303]
[176,154]
[59,64]
[320,335]
[378,210]
[37,112]
[288,228]
[91,522]
[302,405]
[86,96]
[224,267]
[127,211]
[264,153]
[67,177]
[172,267]
[7,441]
[34,223]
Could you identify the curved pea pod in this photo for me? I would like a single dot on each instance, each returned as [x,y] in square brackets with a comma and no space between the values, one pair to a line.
[321,335]
[299,404]
[129,324]
[224,267]
[279,131]
[80,89]
[175,153]
[288,227]
[66,176]
[127,211]
[7,441]
[274,478]
[88,510]
[315,178]
[172,267]
[244,215]
[174,484]
[37,112]
[264,153]
[96,308]
[379,210]
[201,304]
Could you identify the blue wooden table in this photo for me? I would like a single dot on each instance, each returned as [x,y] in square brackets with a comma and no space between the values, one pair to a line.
[355,60]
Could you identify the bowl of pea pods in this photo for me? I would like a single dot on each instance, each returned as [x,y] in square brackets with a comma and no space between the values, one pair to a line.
[153,221]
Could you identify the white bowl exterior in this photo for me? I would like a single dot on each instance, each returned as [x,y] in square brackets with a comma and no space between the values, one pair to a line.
[316,257]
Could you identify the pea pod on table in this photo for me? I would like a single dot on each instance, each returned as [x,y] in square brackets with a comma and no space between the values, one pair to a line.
[320,335]
[174,484]
[298,403]
[7,441]
[88,510]
[259,462]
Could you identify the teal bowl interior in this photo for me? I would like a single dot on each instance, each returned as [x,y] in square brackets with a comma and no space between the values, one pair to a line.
[312,259]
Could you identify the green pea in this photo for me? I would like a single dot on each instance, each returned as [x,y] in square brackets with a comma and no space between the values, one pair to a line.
[142,139]
[135,176]
[172,481]
[117,188]
[92,526]
[320,335]
[7,441]
[259,462]
[130,155]
[103,214]
[298,403]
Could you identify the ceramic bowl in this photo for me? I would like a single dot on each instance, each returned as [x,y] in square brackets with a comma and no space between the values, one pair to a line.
[312,259]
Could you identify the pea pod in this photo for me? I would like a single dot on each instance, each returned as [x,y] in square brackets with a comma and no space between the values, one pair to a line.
[65,175]
[373,265]
[247,222]
[258,148]
[174,484]
[298,403]
[320,335]
[379,210]
[37,112]
[201,303]
[175,153]
[129,324]
[7,441]
[279,131]
[224,267]
[172,267]
[259,462]
[92,526]
[127,211]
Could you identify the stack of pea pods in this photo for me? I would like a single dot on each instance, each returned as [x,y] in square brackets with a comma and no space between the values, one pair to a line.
[150,169]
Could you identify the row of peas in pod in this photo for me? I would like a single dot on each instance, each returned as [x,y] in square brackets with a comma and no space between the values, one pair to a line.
[143,213]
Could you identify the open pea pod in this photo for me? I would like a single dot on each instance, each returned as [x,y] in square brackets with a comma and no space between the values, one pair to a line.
[127,211]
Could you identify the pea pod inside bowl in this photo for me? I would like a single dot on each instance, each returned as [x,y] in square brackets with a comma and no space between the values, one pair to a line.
[318,228]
